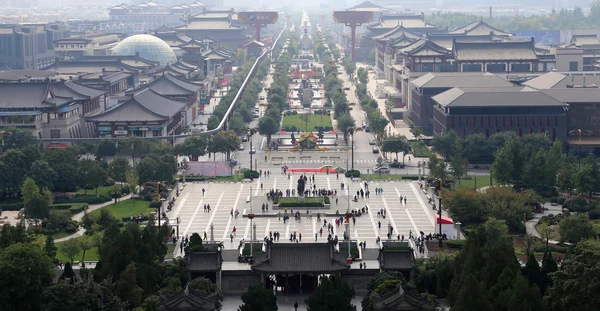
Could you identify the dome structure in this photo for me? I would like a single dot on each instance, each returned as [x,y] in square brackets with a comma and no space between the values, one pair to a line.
[148,47]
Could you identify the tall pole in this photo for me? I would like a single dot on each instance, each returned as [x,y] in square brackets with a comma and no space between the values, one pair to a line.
[159,204]
[352,152]
[250,139]
[252,219]
[348,220]
[353,34]
[440,210]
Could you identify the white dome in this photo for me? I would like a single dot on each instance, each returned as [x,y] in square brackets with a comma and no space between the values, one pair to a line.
[148,47]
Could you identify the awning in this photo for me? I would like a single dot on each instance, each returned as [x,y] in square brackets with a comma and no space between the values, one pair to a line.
[57,146]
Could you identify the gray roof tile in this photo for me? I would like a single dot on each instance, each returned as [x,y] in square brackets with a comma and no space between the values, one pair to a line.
[460,79]
[203,262]
[509,50]
[299,257]
[495,97]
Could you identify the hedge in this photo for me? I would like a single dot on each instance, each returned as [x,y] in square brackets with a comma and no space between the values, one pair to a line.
[301,204]
[253,174]
[553,248]
[353,173]
[76,209]
[11,207]
[61,206]
[89,199]
[456,243]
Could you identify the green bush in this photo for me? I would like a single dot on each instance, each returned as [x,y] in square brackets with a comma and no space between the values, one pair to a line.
[455,243]
[76,209]
[353,173]
[594,214]
[301,204]
[81,198]
[125,190]
[578,205]
[253,174]
[109,182]
[553,248]
[560,200]
[11,206]
[154,204]
[61,207]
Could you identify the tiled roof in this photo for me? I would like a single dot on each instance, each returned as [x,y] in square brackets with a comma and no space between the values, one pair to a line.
[75,90]
[495,97]
[24,95]
[13,75]
[144,105]
[479,28]
[459,79]
[500,51]
[556,80]
[424,47]
[580,40]
[204,262]
[447,40]
[396,32]
[300,258]
[209,25]
[408,21]
[396,259]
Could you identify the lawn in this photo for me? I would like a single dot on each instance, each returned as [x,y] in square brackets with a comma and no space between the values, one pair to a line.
[90,255]
[299,121]
[126,208]
[420,150]
[102,190]
[469,182]
[306,200]
[383,176]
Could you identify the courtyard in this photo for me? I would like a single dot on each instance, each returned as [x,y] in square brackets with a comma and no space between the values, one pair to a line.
[306,122]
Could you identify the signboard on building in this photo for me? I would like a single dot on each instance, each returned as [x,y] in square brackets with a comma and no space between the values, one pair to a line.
[546,37]
[258,17]
[120,132]
[145,128]
[104,128]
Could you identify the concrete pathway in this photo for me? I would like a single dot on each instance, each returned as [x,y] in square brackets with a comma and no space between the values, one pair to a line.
[548,209]
[79,216]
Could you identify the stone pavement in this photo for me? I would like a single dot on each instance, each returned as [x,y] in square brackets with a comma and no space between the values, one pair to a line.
[548,209]
[415,215]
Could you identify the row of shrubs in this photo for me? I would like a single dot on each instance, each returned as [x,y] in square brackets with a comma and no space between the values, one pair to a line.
[325,199]
[293,128]
[301,204]
[82,198]
[352,173]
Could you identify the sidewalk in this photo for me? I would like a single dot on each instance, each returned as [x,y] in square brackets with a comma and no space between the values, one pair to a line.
[400,128]
[548,209]
[79,216]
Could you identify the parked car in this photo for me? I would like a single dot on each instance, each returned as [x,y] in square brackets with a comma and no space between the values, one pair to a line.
[241,147]
[261,98]
[347,88]
[252,150]
[244,138]
[367,129]
[372,141]
[397,164]
[381,170]
[375,150]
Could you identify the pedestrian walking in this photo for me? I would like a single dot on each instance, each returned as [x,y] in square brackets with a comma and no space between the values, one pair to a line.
[203,191]
[296,306]
[379,224]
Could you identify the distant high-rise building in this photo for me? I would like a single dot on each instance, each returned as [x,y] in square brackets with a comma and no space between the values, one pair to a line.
[29,46]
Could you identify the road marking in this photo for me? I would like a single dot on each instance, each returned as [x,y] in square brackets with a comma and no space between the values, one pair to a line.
[422,203]
[237,199]
[314,224]
[193,216]
[180,205]
[267,228]
[262,144]
[401,201]
[290,184]
[214,212]
[247,229]
[287,230]
[328,183]
[372,221]
[274,183]
[412,222]
[389,214]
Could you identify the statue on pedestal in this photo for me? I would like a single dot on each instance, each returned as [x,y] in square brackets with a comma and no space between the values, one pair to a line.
[300,187]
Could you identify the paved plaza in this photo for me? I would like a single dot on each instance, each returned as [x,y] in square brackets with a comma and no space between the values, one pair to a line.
[415,215]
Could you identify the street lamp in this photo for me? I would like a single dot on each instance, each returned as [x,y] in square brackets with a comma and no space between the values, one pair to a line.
[458,224]
[250,139]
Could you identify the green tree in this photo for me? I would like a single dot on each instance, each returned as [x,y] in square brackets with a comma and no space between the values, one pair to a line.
[363,75]
[565,175]
[14,170]
[50,247]
[240,56]
[18,138]
[535,170]
[118,168]
[346,125]
[477,149]
[43,174]
[549,266]
[509,164]
[86,242]
[389,103]
[465,205]
[396,144]
[375,282]
[193,147]
[573,288]
[206,288]
[25,271]
[147,170]
[458,167]
[268,126]
[258,298]
[417,131]
[78,296]
[472,297]
[70,248]
[532,270]
[127,287]
[443,144]
[525,296]
[332,294]
[575,228]
[105,148]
